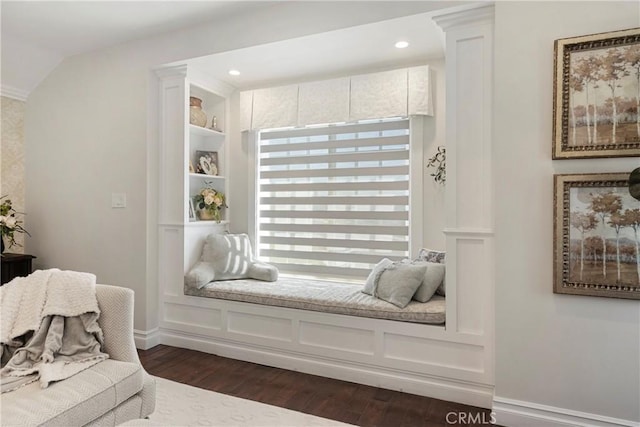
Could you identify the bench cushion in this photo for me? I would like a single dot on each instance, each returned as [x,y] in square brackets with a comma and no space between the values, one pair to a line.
[77,400]
[319,295]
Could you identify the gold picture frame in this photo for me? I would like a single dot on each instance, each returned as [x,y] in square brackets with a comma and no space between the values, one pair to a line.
[597,95]
[596,236]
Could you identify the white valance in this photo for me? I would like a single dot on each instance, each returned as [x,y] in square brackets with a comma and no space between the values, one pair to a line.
[379,95]
[275,107]
[402,92]
[325,101]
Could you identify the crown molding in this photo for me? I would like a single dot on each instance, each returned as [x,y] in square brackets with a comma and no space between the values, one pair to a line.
[483,13]
[13,93]
[171,70]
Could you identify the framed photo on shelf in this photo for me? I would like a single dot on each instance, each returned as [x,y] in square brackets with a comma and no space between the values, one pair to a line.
[597,95]
[207,162]
[596,236]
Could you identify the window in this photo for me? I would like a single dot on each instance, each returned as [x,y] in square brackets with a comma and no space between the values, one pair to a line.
[333,200]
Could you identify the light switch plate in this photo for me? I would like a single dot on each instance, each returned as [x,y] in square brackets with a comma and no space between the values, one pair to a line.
[118,200]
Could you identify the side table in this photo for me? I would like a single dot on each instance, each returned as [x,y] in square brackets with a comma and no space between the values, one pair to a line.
[14,265]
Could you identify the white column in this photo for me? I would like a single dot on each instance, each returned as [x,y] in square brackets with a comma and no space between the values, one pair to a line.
[173,149]
[469,188]
[173,185]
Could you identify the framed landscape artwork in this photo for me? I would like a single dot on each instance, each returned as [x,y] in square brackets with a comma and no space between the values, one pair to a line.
[596,236]
[597,95]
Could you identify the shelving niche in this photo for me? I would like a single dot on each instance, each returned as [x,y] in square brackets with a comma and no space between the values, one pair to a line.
[181,237]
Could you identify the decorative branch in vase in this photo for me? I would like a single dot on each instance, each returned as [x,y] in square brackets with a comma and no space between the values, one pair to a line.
[9,223]
[439,162]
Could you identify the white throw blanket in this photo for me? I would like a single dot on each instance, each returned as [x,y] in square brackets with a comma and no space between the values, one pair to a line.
[48,327]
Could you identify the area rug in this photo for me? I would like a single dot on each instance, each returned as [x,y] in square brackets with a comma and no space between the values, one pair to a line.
[183,405]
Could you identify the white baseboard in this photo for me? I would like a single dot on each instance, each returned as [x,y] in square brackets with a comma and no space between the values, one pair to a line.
[146,339]
[516,413]
[435,387]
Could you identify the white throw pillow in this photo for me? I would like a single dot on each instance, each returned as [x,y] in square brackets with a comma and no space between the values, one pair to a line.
[369,285]
[227,257]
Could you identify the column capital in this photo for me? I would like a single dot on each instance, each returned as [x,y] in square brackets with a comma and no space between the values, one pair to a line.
[459,19]
[171,71]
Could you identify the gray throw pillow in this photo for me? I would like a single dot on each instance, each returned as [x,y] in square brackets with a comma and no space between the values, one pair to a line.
[379,267]
[398,283]
[442,289]
[437,257]
[433,279]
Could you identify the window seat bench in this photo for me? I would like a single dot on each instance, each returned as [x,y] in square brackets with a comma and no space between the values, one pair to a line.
[323,296]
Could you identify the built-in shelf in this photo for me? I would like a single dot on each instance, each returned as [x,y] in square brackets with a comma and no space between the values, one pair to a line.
[199,130]
[203,223]
[183,145]
[196,223]
[204,176]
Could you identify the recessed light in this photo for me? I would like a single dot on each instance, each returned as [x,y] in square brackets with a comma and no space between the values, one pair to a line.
[234,72]
[402,44]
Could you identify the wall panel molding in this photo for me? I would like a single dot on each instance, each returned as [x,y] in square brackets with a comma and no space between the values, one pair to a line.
[377,352]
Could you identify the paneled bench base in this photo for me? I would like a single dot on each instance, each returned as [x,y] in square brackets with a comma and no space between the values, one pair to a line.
[416,358]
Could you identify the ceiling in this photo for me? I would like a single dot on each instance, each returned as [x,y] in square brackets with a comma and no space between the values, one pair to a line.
[73,27]
[362,48]
[38,35]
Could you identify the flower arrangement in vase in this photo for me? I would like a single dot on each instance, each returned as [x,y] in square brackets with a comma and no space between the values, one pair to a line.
[9,223]
[209,203]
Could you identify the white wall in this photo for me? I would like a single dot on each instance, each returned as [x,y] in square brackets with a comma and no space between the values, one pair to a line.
[85,132]
[573,352]
[91,130]
[434,135]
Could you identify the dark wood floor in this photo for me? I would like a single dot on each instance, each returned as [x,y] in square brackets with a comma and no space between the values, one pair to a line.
[338,400]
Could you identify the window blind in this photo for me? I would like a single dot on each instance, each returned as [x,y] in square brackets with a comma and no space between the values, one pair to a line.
[334,200]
